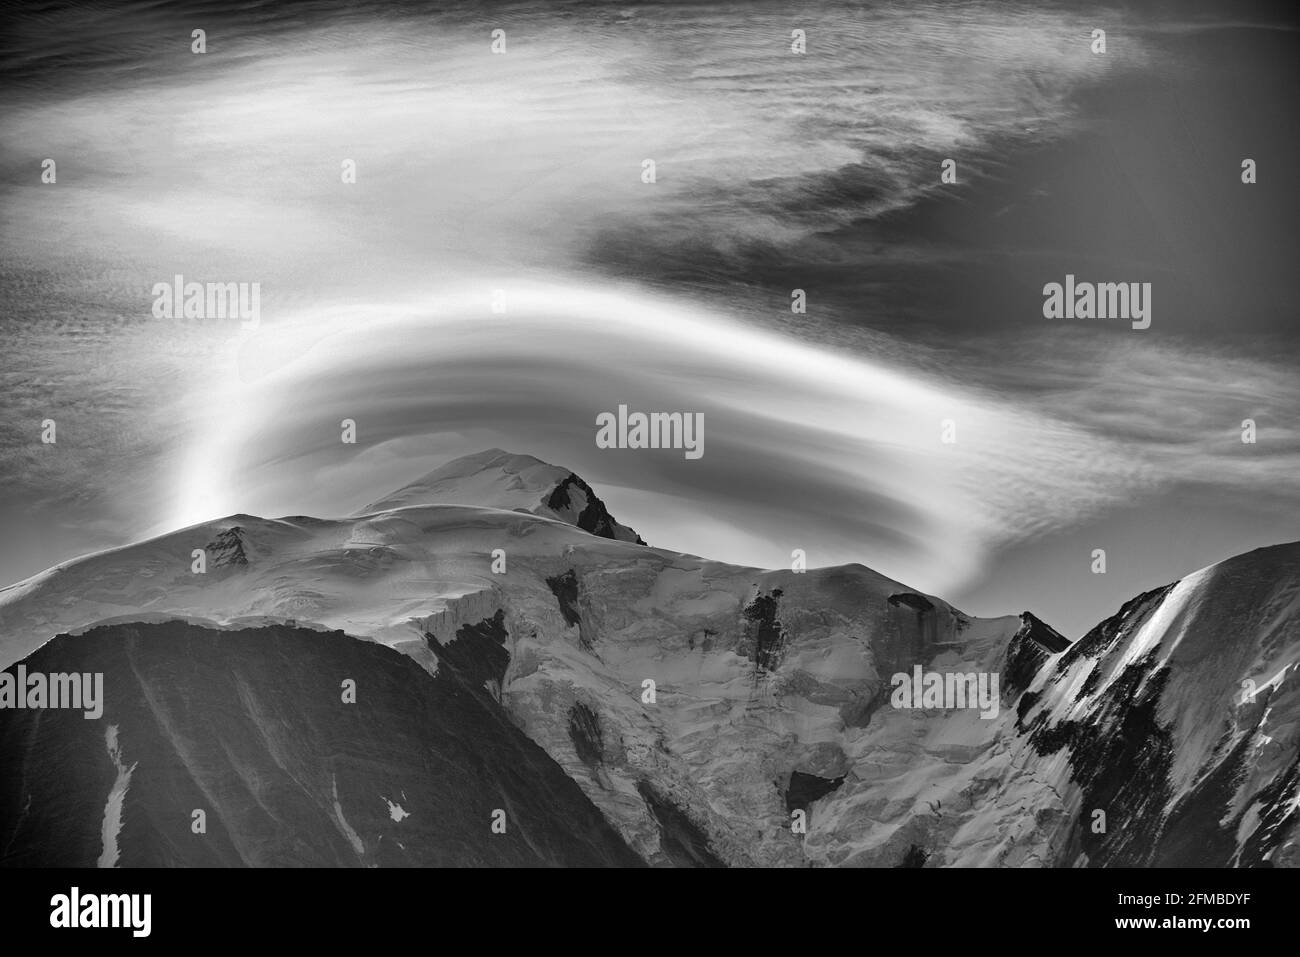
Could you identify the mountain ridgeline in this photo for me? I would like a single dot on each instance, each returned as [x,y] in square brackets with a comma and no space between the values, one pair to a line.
[380,690]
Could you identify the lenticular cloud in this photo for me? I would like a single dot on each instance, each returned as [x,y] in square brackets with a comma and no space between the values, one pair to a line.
[803,445]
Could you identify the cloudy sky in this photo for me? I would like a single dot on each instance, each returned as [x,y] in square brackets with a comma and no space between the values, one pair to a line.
[521,173]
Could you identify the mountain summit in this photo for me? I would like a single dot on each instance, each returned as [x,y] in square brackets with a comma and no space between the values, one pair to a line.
[498,479]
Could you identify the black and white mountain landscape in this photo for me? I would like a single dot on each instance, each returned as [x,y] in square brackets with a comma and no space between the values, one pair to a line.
[525,690]
[664,434]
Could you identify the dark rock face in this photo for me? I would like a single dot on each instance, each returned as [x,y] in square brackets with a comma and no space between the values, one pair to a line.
[584,730]
[681,840]
[804,789]
[1028,651]
[918,602]
[227,549]
[565,589]
[1121,755]
[594,517]
[915,857]
[1278,804]
[477,657]
[916,622]
[251,727]
[764,639]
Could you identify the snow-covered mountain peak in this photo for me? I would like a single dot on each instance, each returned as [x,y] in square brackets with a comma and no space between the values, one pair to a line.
[495,478]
